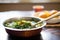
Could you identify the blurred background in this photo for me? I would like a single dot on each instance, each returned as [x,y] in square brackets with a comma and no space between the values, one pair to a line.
[7,5]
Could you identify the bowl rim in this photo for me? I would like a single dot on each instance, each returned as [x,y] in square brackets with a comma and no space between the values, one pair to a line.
[44,23]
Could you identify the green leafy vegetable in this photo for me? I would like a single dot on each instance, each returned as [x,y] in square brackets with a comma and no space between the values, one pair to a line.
[21,24]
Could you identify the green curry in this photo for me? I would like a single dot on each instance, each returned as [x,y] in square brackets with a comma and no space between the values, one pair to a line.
[21,24]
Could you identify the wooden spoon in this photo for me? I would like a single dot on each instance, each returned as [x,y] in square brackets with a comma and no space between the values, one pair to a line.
[52,16]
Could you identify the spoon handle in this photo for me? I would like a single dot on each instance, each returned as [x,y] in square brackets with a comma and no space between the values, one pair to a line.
[52,16]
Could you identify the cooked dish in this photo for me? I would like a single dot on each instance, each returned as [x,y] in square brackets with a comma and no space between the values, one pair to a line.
[22,23]
[45,14]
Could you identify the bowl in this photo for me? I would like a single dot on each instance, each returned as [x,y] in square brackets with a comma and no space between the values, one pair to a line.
[24,32]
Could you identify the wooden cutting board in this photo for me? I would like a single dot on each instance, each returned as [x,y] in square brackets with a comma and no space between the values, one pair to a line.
[53,25]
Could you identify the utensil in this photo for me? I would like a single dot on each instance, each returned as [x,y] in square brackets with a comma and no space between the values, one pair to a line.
[52,16]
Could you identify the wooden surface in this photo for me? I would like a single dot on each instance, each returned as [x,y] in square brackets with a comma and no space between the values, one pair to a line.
[27,6]
[53,25]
